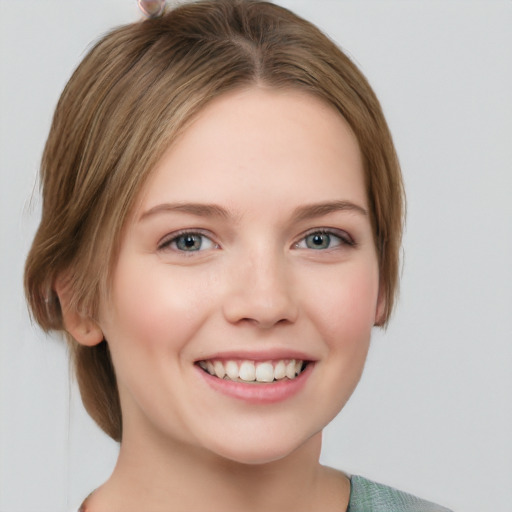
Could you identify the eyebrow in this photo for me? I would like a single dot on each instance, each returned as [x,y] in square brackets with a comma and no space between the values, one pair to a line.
[320,209]
[198,209]
[212,210]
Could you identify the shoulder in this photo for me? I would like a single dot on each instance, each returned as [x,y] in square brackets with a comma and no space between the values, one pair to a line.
[368,496]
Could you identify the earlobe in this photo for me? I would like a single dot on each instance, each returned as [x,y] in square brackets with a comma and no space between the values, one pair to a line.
[82,327]
[380,310]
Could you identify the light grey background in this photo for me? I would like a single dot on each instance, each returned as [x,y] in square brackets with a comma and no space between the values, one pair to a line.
[433,413]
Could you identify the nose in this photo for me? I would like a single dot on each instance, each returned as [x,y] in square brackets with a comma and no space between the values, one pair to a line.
[260,292]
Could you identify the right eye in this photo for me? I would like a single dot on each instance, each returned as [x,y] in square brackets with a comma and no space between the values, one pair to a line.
[188,241]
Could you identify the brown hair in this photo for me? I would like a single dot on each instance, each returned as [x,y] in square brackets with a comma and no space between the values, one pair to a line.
[135,91]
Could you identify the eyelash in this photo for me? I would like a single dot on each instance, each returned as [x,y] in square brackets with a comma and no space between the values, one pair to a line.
[170,243]
[344,239]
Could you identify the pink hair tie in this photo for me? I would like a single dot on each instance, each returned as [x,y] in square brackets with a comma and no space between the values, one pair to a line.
[151,8]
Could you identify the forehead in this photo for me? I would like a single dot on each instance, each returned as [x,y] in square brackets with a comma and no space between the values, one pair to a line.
[286,142]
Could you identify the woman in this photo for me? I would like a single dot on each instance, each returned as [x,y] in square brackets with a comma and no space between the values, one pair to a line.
[222,216]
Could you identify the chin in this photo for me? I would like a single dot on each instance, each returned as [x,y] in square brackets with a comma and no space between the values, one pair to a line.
[256,457]
[260,451]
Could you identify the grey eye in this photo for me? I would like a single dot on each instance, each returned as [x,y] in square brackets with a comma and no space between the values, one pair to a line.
[318,241]
[321,240]
[189,242]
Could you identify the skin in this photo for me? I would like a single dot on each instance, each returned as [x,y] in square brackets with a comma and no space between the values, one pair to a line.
[258,284]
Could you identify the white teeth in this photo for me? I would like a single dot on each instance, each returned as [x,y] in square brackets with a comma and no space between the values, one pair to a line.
[219,369]
[280,370]
[290,369]
[247,371]
[250,371]
[232,370]
[264,372]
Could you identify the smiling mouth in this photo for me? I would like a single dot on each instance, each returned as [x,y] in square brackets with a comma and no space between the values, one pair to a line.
[254,372]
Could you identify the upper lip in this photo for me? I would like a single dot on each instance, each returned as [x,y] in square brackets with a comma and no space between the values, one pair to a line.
[258,355]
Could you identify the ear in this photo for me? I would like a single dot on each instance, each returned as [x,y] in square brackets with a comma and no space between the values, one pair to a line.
[380,310]
[82,327]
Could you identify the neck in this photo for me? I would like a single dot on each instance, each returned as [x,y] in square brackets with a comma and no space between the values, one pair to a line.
[168,477]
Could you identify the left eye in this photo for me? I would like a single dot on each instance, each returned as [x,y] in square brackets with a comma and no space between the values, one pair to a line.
[319,240]
[188,242]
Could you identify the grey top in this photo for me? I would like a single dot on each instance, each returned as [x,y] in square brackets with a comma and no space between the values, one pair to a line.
[368,496]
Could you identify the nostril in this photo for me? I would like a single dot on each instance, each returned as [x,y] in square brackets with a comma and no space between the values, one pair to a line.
[261,314]
[260,294]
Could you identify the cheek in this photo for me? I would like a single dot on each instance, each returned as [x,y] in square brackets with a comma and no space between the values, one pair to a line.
[151,306]
[343,314]
[345,306]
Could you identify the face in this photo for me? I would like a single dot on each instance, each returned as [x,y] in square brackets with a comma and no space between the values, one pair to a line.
[247,282]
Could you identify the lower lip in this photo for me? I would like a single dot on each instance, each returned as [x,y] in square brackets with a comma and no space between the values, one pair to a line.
[264,393]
